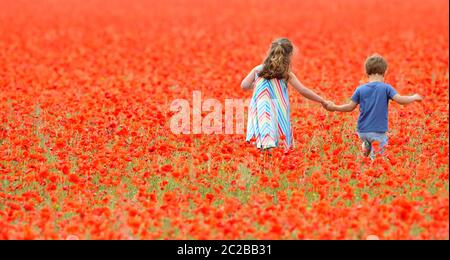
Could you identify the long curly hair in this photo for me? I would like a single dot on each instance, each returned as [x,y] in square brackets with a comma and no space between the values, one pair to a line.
[278,61]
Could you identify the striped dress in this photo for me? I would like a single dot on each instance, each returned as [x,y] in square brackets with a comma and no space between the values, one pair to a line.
[269,119]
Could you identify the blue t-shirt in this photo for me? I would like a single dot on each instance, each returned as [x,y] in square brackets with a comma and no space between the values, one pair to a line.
[373,99]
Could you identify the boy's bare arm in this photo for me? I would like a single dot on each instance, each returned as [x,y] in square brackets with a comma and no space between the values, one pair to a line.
[349,107]
[404,100]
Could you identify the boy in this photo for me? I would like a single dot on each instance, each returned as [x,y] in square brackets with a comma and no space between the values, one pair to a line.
[373,99]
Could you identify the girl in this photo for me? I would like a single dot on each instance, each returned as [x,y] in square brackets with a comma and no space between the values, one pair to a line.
[269,110]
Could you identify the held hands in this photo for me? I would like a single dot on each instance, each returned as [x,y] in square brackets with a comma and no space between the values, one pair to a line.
[328,105]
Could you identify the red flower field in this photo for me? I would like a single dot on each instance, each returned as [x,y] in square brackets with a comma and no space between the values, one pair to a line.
[86,149]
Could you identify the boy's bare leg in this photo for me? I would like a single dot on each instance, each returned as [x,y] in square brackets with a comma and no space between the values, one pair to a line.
[366,148]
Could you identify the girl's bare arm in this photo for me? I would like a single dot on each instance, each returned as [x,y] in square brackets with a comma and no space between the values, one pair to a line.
[304,91]
[247,82]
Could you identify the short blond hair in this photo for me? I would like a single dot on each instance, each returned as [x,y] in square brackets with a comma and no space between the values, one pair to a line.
[376,64]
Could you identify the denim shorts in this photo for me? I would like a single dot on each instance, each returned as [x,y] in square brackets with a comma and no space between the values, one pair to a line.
[369,138]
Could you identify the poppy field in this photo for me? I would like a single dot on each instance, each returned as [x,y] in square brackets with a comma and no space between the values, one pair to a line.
[87,152]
